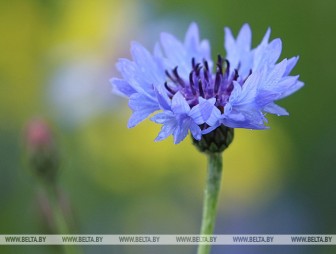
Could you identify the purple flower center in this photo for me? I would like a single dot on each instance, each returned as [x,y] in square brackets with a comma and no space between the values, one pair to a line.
[202,83]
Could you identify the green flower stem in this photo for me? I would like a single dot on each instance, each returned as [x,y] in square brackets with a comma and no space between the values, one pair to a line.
[212,189]
[59,220]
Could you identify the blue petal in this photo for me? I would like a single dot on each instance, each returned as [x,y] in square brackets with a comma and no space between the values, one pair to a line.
[291,64]
[250,88]
[247,93]
[285,87]
[205,52]
[137,117]
[181,130]
[142,107]
[274,76]
[195,48]
[126,67]
[205,112]
[275,109]
[147,68]
[163,117]
[248,119]
[267,55]
[191,41]
[195,131]
[211,128]
[173,49]
[274,51]
[291,89]
[179,104]
[202,111]
[196,115]
[239,51]
[266,37]
[215,115]
[121,87]
[158,51]
[244,38]
[265,97]
[128,70]
[233,54]
[229,40]
[234,96]
[169,124]
[166,131]
[162,96]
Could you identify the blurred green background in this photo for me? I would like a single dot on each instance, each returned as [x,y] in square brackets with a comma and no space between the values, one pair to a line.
[56,57]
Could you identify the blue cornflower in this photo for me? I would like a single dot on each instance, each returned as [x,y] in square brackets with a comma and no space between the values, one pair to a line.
[194,94]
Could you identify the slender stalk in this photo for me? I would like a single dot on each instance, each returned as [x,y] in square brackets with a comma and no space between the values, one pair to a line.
[61,225]
[211,193]
[59,220]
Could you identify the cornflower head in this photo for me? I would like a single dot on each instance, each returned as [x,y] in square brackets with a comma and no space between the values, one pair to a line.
[193,93]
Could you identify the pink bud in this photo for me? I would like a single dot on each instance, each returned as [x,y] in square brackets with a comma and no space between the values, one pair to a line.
[38,135]
[42,153]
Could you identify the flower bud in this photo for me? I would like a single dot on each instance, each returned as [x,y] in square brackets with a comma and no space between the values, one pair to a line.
[215,141]
[41,150]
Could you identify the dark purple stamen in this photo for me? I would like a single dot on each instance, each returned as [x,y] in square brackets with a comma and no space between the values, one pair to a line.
[178,78]
[169,88]
[220,64]
[203,83]
[169,76]
[192,84]
[217,82]
[227,72]
[200,88]
[205,63]
[206,75]
[236,75]
[193,63]
[250,72]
